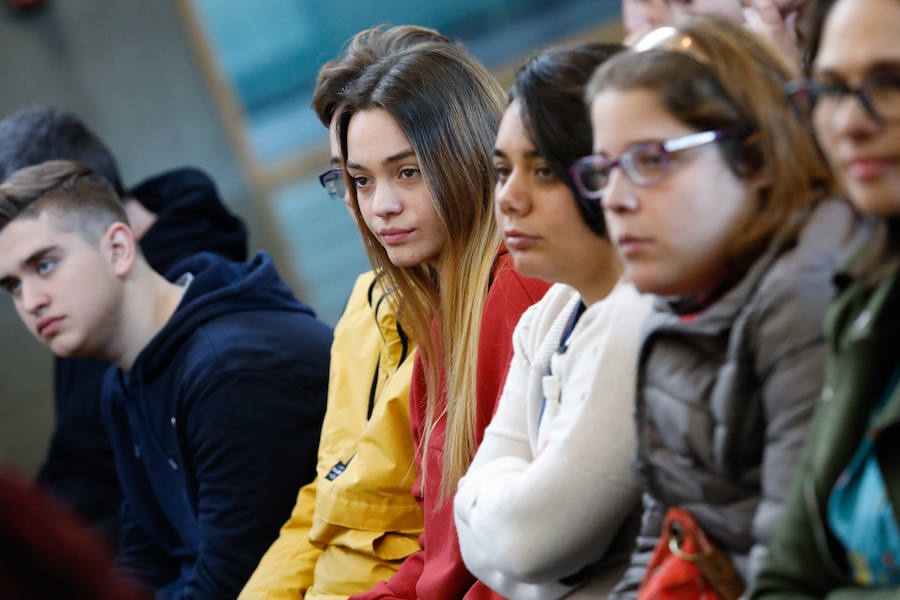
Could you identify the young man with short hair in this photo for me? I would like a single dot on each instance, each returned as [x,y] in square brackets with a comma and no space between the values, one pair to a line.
[174,215]
[215,406]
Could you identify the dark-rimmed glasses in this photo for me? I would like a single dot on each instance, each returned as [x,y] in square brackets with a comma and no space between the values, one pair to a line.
[644,163]
[333,182]
[879,95]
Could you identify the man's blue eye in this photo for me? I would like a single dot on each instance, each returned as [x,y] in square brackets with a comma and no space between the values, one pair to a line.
[45,266]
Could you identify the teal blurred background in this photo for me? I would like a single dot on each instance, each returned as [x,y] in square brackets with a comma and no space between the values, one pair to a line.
[225,85]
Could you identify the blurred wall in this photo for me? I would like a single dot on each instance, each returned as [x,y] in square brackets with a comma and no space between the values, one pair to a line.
[127,69]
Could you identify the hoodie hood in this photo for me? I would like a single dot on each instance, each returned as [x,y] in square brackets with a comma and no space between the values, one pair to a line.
[190,218]
[219,288]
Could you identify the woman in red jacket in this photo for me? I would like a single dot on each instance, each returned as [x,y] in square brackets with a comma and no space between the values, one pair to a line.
[417,157]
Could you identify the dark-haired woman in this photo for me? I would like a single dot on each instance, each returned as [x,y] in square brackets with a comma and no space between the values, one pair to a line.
[840,536]
[557,455]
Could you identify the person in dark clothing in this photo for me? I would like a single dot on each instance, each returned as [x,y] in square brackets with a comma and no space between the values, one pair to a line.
[215,408]
[190,218]
[178,214]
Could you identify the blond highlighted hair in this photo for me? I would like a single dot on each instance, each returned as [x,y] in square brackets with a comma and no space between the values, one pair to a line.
[449,107]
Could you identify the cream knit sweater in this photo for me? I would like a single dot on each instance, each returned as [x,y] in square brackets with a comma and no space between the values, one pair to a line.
[552,483]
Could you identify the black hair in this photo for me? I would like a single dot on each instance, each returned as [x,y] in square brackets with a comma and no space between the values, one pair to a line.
[550,91]
[35,135]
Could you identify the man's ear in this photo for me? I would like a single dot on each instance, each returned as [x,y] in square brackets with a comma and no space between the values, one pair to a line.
[120,247]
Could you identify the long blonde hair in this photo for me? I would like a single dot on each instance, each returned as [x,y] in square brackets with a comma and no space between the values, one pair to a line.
[449,107]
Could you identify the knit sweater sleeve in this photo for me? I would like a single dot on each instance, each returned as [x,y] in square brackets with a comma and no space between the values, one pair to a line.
[506,441]
[507,486]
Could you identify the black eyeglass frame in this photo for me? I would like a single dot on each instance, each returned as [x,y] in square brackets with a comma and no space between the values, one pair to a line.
[804,95]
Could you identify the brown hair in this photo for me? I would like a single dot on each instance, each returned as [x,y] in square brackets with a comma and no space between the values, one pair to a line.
[730,81]
[362,50]
[80,198]
[820,11]
[449,107]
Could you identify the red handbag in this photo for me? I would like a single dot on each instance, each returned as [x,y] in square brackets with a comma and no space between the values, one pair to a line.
[687,566]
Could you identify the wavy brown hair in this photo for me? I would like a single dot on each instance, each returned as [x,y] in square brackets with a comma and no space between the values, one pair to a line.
[363,49]
[732,81]
[449,107]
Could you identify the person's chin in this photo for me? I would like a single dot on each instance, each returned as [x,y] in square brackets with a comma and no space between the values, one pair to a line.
[61,351]
[648,281]
[404,260]
[66,349]
[881,198]
[529,265]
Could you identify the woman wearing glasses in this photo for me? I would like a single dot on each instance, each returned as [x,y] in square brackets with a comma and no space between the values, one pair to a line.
[557,455]
[417,155]
[840,535]
[716,199]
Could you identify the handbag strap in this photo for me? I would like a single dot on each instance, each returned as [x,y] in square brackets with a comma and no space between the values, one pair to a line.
[689,542]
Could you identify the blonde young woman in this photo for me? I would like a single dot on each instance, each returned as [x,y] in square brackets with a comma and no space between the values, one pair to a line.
[718,202]
[416,152]
[356,522]
[545,506]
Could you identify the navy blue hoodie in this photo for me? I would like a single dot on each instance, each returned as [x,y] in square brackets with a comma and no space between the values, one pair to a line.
[79,469]
[215,428]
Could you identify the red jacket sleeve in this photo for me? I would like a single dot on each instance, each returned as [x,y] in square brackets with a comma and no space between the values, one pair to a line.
[438,571]
[510,295]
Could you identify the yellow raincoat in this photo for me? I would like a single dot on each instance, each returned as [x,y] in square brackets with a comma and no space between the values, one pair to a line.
[357,521]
